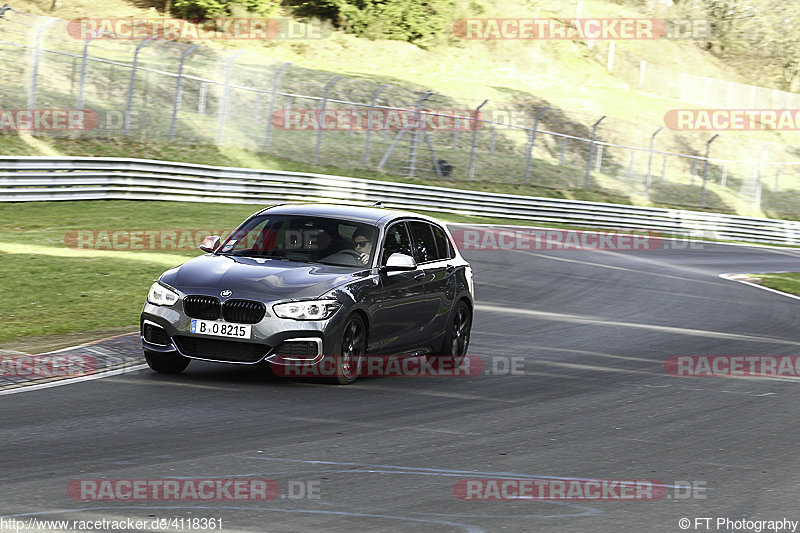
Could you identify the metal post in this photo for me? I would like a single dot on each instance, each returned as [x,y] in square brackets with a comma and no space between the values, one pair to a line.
[649,180]
[226,93]
[412,155]
[275,81]
[529,153]
[323,104]
[724,180]
[201,98]
[705,171]
[630,165]
[432,152]
[757,202]
[368,140]
[586,178]
[388,153]
[598,161]
[132,84]
[35,62]
[474,126]
[84,62]
[179,90]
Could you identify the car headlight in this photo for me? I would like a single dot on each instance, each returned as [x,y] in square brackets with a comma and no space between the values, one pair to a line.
[160,295]
[310,310]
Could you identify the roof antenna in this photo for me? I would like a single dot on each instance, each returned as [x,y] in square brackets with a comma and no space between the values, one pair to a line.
[378,204]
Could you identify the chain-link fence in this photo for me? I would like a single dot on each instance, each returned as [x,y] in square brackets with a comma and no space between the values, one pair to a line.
[173,92]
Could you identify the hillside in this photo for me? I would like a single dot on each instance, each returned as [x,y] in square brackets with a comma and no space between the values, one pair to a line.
[568,76]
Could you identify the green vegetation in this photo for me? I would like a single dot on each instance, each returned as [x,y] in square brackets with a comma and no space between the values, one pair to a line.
[194,9]
[419,22]
[785,282]
[51,288]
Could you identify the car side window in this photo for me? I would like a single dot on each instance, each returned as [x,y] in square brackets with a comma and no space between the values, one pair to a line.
[442,242]
[424,244]
[396,242]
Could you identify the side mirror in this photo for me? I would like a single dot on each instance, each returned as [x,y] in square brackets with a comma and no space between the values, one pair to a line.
[210,243]
[399,263]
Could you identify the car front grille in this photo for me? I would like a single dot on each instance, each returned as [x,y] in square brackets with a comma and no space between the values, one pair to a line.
[154,334]
[243,311]
[297,349]
[221,350]
[205,307]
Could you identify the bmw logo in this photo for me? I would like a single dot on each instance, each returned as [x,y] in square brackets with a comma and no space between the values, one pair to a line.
[225,293]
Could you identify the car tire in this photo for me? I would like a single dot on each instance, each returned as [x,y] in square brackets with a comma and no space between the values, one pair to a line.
[456,339]
[168,363]
[350,353]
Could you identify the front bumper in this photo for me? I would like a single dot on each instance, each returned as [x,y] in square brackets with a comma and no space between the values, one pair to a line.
[274,340]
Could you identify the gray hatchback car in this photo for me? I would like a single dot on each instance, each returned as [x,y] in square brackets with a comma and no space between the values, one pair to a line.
[305,282]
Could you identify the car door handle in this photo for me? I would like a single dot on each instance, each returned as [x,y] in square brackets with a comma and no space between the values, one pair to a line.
[449,268]
[420,275]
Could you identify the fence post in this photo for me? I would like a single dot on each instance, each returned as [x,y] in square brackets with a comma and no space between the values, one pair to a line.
[598,160]
[368,140]
[273,97]
[474,125]
[757,200]
[35,62]
[705,171]
[323,104]
[587,178]
[528,155]
[179,90]
[226,94]
[132,84]
[412,154]
[649,180]
[82,82]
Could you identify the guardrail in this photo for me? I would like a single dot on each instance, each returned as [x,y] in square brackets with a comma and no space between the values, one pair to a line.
[33,178]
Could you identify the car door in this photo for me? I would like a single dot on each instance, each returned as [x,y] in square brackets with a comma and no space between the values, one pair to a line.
[432,256]
[400,315]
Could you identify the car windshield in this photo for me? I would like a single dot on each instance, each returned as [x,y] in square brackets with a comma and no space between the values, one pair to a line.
[303,238]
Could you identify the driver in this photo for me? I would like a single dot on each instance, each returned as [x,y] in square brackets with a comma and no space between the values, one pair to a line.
[363,245]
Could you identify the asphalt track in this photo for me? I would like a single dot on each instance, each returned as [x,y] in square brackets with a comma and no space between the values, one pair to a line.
[594,402]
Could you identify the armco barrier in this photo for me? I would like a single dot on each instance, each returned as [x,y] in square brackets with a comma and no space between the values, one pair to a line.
[25,179]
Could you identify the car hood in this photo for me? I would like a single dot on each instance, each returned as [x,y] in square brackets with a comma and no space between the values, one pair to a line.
[264,279]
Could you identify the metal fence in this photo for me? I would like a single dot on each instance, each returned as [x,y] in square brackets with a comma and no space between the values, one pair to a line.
[173,92]
[92,178]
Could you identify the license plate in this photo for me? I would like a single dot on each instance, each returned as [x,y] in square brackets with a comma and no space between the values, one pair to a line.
[220,329]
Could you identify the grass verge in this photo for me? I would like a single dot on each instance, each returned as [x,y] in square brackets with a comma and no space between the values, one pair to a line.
[788,282]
